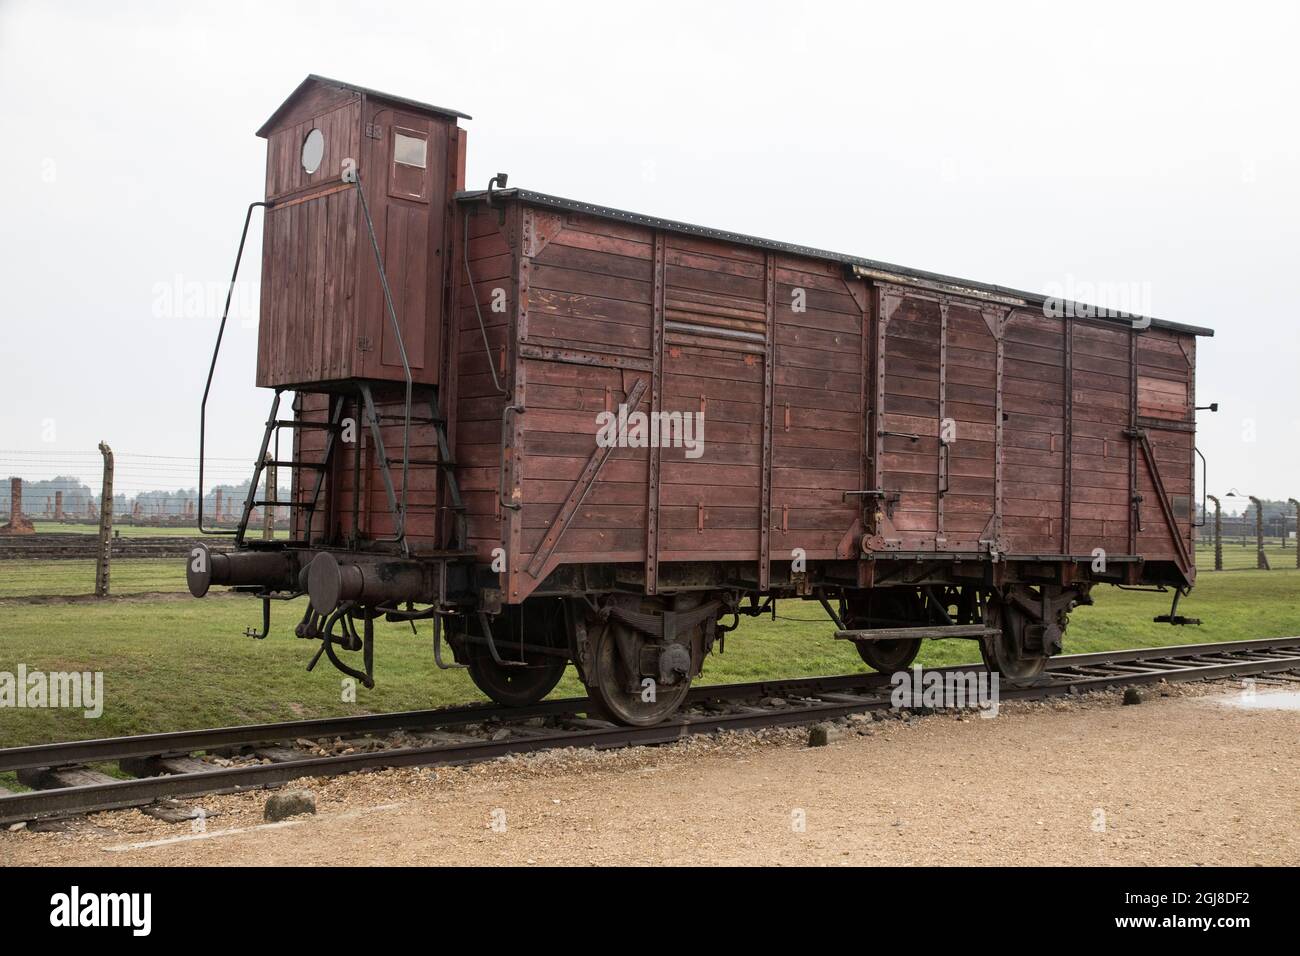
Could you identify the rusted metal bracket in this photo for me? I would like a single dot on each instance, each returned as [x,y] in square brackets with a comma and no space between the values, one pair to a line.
[656,401]
[888,498]
[580,489]
[769,392]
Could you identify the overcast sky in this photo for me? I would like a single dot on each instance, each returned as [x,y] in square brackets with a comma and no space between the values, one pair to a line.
[1144,150]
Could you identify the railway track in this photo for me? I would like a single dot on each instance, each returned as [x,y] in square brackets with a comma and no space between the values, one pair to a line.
[81,547]
[482,732]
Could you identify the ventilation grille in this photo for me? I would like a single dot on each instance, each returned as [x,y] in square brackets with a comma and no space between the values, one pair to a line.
[714,321]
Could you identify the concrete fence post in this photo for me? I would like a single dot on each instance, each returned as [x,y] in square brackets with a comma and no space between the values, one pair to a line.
[1261,559]
[1296,505]
[1218,533]
[104,554]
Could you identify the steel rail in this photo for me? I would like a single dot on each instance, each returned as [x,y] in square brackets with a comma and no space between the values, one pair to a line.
[1068,675]
[172,743]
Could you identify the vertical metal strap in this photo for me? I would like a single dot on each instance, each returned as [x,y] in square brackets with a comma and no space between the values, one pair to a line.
[1134,505]
[769,360]
[515,382]
[999,450]
[867,393]
[1067,429]
[656,403]
[884,312]
[941,451]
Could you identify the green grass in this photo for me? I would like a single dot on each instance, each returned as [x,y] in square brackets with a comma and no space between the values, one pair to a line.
[63,578]
[178,663]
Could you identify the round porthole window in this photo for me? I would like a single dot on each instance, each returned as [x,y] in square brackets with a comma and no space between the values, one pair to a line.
[313,150]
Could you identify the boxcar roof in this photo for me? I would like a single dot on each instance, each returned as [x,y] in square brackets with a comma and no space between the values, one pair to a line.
[314,79]
[869,268]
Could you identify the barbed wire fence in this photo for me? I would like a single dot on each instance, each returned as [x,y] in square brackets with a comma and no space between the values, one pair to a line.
[62,541]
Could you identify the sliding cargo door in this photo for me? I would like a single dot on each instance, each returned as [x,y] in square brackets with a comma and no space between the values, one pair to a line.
[909,339]
[938,424]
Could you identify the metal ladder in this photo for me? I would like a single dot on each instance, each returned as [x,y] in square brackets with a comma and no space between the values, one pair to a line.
[309,506]
[398,506]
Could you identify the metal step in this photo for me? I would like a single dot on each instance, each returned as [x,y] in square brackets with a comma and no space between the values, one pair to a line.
[909,633]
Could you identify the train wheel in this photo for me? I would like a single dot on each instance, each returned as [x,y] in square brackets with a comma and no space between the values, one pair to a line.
[1002,651]
[890,608]
[889,656]
[612,686]
[514,686]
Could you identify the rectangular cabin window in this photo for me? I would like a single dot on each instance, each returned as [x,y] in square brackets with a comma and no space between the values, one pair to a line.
[410,150]
[408,167]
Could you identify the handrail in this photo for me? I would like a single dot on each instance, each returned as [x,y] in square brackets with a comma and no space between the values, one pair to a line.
[221,331]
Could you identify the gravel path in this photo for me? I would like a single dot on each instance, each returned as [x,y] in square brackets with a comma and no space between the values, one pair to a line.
[1184,778]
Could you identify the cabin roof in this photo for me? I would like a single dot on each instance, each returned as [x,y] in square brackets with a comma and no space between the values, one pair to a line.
[317,80]
[868,268]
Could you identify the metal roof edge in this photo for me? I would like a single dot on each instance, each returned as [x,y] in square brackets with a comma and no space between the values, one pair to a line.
[1076,309]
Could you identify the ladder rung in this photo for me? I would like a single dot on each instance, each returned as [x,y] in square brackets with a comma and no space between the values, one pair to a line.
[295,464]
[441,463]
[420,420]
[295,423]
[285,504]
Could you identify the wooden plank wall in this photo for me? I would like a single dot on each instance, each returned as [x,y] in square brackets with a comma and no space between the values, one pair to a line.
[594,306]
[590,292]
[1034,433]
[822,358]
[309,258]
[478,401]
[711,505]
[341,486]
[1166,399]
[706,314]
[970,400]
[1100,511]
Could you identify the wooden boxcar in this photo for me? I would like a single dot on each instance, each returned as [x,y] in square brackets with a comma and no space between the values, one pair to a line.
[571,433]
